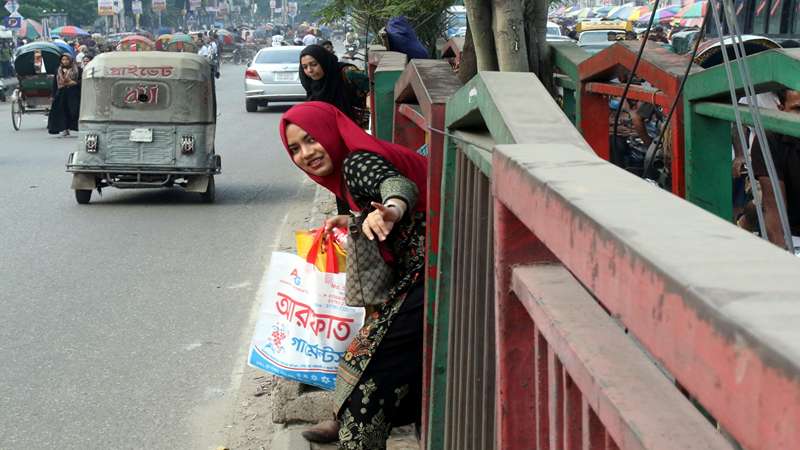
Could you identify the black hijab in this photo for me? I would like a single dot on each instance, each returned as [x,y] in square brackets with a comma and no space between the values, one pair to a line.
[332,88]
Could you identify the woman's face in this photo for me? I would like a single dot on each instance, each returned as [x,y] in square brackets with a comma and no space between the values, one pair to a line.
[312,68]
[307,152]
[66,61]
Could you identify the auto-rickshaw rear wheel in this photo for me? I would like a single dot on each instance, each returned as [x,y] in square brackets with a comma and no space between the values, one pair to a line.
[83,196]
[211,192]
[17,109]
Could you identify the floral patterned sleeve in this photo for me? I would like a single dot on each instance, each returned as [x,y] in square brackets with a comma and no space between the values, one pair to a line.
[371,178]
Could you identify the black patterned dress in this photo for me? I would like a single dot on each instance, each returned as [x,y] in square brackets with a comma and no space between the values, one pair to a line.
[379,379]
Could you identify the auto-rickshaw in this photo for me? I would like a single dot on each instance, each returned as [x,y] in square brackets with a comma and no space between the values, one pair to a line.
[147,120]
[35,89]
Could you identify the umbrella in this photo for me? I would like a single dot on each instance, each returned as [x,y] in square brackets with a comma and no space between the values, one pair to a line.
[583,13]
[165,38]
[30,29]
[693,11]
[603,10]
[662,15]
[69,31]
[630,13]
[65,48]
[613,11]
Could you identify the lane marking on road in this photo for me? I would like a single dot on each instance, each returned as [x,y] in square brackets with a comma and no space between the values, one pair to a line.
[247,332]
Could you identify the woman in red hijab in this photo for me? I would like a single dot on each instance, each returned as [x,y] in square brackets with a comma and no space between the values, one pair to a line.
[378,385]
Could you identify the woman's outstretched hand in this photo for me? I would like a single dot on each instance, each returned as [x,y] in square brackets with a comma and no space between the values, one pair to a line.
[381,221]
[337,222]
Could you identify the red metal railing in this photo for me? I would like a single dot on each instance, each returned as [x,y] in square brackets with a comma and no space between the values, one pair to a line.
[608,294]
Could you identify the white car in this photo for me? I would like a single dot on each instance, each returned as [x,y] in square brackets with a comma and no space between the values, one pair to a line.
[273,76]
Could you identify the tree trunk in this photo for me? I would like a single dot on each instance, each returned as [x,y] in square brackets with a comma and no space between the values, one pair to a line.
[479,17]
[468,67]
[509,35]
[538,48]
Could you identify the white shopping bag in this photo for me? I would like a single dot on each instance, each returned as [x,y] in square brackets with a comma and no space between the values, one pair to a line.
[304,326]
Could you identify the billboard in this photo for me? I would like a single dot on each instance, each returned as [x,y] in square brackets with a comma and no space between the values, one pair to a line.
[105,7]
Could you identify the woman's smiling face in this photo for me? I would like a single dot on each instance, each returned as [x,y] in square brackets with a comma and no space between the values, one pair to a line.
[307,152]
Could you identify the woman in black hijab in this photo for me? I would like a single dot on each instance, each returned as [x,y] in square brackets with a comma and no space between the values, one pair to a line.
[327,80]
[66,104]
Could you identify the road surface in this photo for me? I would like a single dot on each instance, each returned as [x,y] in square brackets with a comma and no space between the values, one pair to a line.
[123,323]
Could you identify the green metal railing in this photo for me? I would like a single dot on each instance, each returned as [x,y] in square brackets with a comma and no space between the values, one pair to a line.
[566,56]
[709,115]
[493,108]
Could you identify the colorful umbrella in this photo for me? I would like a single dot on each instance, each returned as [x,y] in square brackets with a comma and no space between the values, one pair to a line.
[693,11]
[630,13]
[30,29]
[65,48]
[69,31]
[603,10]
[613,11]
[662,15]
[583,13]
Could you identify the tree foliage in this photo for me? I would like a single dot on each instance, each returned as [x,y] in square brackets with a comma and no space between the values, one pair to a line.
[427,16]
[79,12]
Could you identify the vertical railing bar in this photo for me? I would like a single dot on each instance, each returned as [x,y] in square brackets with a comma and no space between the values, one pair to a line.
[464,297]
[542,375]
[489,321]
[451,414]
[555,403]
[459,299]
[469,304]
[477,306]
[572,413]
[592,429]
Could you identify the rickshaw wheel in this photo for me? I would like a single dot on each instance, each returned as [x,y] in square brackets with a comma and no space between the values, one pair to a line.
[16,113]
[211,192]
[83,196]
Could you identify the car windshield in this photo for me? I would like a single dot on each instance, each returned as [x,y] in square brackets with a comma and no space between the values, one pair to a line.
[553,31]
[278,57]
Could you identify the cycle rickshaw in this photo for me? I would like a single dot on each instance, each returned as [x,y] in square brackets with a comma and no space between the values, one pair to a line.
[35,90]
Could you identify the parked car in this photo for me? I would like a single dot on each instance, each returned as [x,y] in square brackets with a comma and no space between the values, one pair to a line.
[596,40]
[273,76]
[594,36]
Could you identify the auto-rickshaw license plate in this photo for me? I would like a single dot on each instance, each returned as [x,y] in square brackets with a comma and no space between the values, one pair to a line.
[141,135]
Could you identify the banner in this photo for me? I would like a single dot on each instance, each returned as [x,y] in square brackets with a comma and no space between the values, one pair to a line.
[105,7]
[136,7]
[291,9]
[159,5]
[304,327]
[194,5]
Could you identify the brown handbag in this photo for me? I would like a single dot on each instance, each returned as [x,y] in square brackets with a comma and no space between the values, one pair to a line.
[369,278]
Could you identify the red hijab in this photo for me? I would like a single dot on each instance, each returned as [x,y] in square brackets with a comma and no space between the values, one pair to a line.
[340,136]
